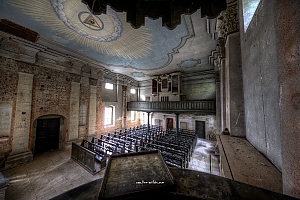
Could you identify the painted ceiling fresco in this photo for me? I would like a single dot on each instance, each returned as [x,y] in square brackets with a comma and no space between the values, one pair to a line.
[110,40]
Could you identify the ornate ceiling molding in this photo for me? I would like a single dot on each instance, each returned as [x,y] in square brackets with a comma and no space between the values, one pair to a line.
[187,20]
[189,63]
[170,11]
[105,33]
[227,23]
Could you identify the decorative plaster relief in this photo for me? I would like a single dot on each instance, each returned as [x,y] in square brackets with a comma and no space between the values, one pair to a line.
[189,63]
[106,33]
[138,74]
[87,24]
[228,21]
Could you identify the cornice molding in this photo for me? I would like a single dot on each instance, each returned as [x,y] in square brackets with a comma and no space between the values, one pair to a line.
[23,50]
[226,23]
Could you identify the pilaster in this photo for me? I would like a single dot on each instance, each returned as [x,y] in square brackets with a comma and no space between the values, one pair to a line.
[20,147]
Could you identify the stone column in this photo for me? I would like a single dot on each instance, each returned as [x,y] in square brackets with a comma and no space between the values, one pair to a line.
[20,146]
[177,123]
[124,104]
[148,121]
[74,111]
[222,95]
[234,86]
[218,108]
[218,103]
[92,110]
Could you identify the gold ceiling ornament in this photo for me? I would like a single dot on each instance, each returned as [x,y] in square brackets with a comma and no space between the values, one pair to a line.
[108,33]
[90,20]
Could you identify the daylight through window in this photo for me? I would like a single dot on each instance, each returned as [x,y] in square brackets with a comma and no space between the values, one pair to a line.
[109,86]
[108,120]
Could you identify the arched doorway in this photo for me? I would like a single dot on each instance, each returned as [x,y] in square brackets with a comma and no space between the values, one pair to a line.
[48,133]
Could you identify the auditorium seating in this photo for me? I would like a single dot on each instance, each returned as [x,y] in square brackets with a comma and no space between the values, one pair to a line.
[176,148]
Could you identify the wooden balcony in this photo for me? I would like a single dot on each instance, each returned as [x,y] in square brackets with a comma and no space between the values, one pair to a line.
[192,107]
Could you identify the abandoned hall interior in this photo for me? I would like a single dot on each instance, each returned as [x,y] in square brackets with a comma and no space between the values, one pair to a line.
[201,94]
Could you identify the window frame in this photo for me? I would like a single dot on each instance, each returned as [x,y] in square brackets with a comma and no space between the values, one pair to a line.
[133,113]
[131,91]
[112,116]
[109,86]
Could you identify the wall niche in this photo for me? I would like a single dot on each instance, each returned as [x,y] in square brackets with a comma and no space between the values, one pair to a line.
[5,119]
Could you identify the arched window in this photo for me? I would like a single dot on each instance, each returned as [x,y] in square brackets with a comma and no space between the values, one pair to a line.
[109,86]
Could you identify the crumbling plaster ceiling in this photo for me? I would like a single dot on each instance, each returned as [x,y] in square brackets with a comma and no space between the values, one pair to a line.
[112,42]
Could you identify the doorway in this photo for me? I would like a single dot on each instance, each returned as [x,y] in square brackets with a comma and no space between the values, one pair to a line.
[169,123]
[200,129]
[47,135]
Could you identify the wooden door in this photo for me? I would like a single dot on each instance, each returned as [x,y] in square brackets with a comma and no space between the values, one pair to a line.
[47,135]
[200,129]
[169,123]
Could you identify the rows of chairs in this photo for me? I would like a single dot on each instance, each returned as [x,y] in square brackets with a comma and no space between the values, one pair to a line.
[176,149]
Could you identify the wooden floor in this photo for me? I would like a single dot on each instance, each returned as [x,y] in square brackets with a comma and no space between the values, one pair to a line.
[52,173]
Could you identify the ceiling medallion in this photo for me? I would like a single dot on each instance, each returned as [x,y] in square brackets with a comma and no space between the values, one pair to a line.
[169,10]
[90,21]
[65,10]
[64,27]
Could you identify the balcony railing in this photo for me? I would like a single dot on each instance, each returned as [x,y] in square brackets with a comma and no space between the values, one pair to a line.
[195,107]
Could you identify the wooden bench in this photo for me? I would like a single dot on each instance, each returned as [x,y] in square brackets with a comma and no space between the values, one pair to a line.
[85,158]
[101,153]
[170,153]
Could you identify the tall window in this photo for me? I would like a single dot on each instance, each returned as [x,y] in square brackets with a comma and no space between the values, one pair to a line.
[109,86]
[133,116]
[109,114]
[249,8]
[132,91]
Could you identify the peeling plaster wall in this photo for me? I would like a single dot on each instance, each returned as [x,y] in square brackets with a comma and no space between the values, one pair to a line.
[145,92]
[58,94]
[188,119]
[199,91]
[8,89]
[193,91]
[109,95]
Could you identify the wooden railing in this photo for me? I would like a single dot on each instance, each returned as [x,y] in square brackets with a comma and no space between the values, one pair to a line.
[85,158]
[196,107]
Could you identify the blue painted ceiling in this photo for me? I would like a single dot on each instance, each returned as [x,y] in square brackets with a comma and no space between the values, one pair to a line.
[111,41]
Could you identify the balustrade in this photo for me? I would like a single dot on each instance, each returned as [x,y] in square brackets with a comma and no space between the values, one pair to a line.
[199,107]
